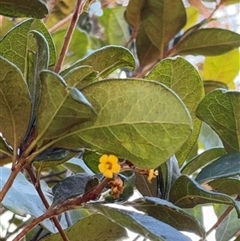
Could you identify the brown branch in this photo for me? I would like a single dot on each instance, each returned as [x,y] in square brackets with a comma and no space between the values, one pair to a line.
[78,10]
[44,200]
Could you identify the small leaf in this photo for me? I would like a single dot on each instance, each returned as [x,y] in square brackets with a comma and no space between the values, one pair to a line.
[106,60]
[91,228]
[70,187]
[202,160]
[58,111]
[23,8]
[15,104]
[22,198]
[217,68]
[210,85]
[75,165]
[91,159]
[229,186]
[179,75]
[192,17]
[208,42]
[226,166]
[221,110]
[141,224]
[131,113]
[229,226]
[170,214]
[187,193]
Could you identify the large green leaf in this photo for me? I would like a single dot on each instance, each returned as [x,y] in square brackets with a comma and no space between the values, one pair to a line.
[106,60]
[23,8]
[15,45]
[179,75]
[15,104]
[168,213]
[111,20]
[221,110]
[229,226]
[22,198]
[208,42]
[202,160]
[61,107]
[91,228]
[217,68]
[187,193]
[225,166]
[138,119]
[142,224]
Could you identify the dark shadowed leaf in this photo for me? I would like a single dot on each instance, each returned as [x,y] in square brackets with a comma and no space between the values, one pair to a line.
[221,110]
[168,173]
[22,198]
[106,60]
[225,166]
[168,213]
[91,228]
[210,85]
[23,8]
[187,193]
[15,105]
[61,107]
[202,160]
[180,76]
[141,120]
[142,224]
[229,186]
[208,42]
[70,187]
[229,226]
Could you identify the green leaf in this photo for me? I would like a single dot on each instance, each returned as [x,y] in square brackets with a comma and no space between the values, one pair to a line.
[229,226]
[141,224]
[22,198]
[208,42]
[106,60]
[137,120]
[221,110]
[75,165]
[112,20]
[77,48]
[229,186]
[179,75]
[6,25]
[217,68]
[147,52]
[187,193]
[15,104]
[225,166]
[170,214]
[91,228]
[168,173]
[202,160]
[70,187]
[23,8]
[210,85]
[192,17]
[4,148]
[91,159]
[15,45]
[61,107]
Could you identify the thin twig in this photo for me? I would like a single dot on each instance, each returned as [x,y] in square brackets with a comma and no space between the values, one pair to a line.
[45,202]
[78,10]
[60,24]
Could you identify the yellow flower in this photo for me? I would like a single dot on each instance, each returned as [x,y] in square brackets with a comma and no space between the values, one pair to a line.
[152,174]
[109,165]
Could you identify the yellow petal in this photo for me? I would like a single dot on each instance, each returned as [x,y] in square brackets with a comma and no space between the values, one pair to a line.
[113,159]
[103,158]
[116,168]
[108,173]
[102,167]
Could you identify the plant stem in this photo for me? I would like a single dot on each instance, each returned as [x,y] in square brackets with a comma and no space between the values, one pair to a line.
[77,12]
[221,218]
[15,170]
[45,202]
